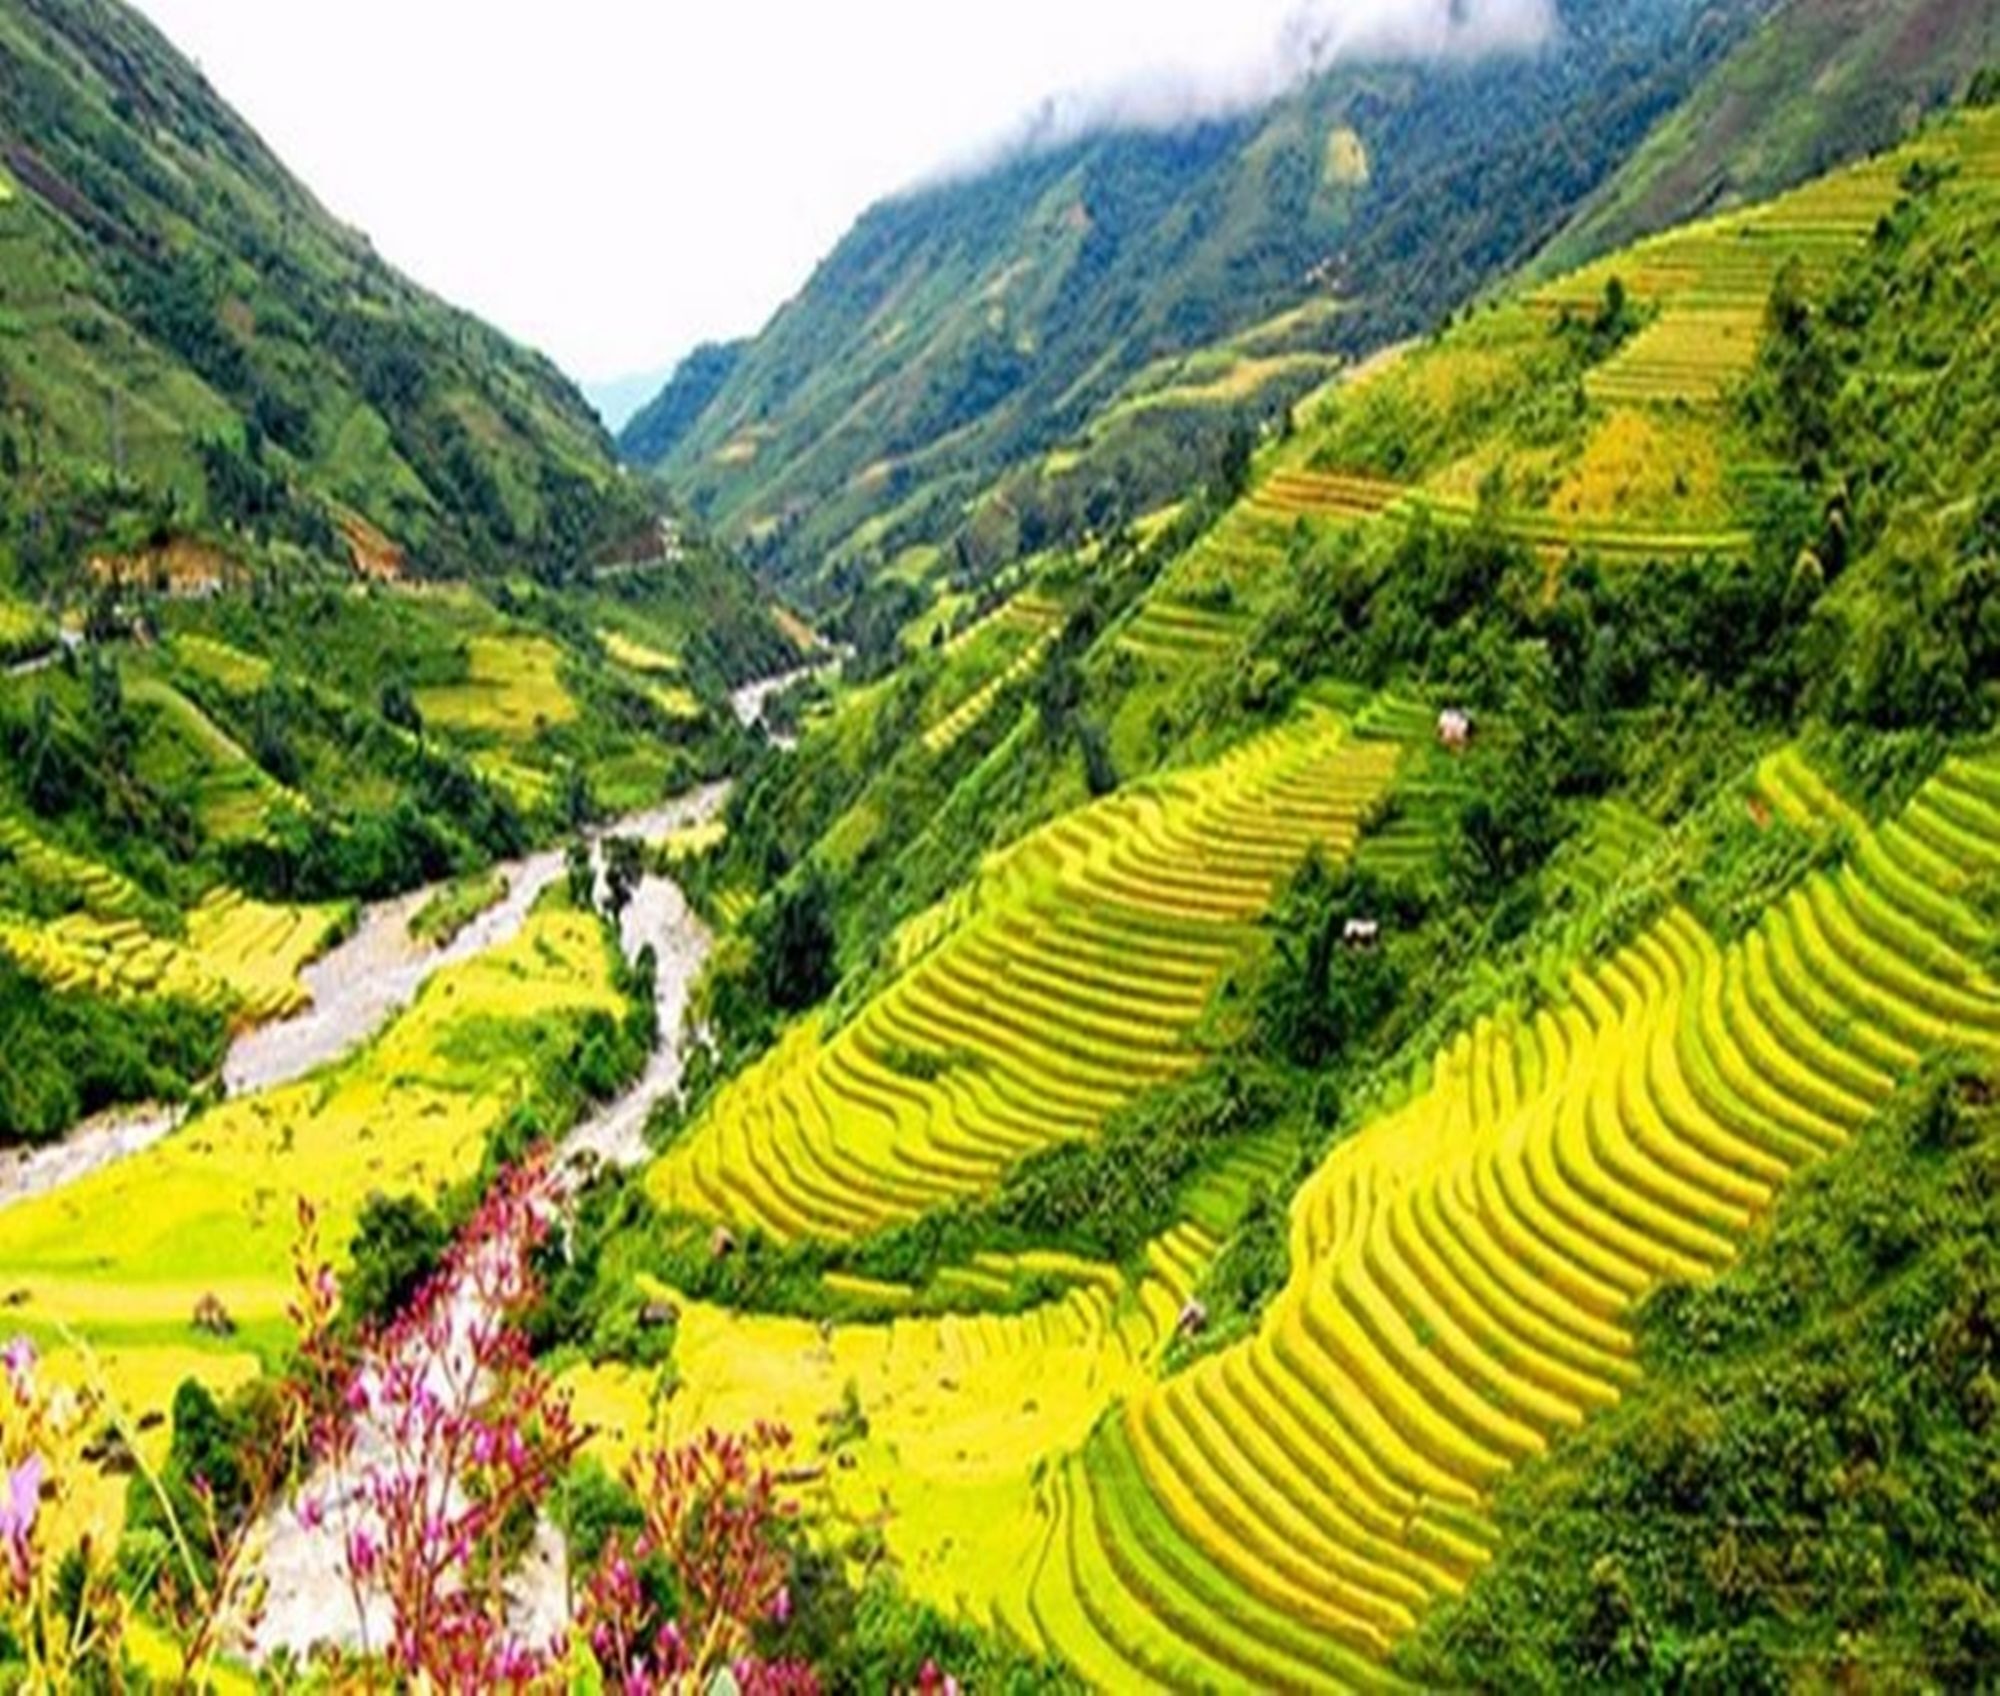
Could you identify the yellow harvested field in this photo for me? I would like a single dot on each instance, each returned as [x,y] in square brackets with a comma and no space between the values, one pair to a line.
[676,700]
[1346,159]
[1648,465]
[1348,498]
[961,1412]
[239,955]
[692,841]
[511,690]
[635,655]
[1071,983]
[120,1259]
[1464,1269]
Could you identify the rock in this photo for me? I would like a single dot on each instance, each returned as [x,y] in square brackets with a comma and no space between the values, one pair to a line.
[658,1315]
[1193,1320]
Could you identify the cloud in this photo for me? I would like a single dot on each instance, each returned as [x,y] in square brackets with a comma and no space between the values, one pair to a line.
[1309,40]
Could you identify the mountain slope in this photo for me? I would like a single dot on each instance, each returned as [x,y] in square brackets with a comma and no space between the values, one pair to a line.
[1821,81]
[1710,559]
[966,326]
[176,311]
[657,427]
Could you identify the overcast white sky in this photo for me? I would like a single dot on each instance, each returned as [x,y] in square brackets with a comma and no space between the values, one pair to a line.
[615,180]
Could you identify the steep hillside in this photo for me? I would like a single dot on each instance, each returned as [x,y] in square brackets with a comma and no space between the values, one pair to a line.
[965,326]
[184,332]
[1819,82]
[657,428]
[311,586]
[1260,1170]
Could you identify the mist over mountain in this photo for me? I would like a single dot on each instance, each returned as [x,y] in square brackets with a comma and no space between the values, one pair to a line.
[1375,166]
[1307,43]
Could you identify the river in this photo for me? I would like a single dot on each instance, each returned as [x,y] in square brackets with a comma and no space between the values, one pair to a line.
[306,1600]
[363,982]
[357,986]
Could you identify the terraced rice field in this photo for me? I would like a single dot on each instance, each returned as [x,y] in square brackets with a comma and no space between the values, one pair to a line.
[1168,632]
[1070,984]
[1354,499]
[1800,796]
[1711,283]
[239,956]
[961,1411]
[1464,1268]
[946,734]
[1026,615]
[97,888]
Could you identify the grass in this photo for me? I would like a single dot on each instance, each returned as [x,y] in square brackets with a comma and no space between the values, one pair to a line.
[183,751]
[217,662]
[439,920]
[24,632]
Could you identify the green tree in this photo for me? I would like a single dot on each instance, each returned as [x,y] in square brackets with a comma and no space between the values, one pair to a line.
[798,946]
[580,868]
[398,1243]
[624,870]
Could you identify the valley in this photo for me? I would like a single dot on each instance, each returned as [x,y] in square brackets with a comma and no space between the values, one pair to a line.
[1237,927]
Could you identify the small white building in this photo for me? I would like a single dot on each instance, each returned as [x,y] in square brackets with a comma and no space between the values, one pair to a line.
[1362,933]
[1455,729]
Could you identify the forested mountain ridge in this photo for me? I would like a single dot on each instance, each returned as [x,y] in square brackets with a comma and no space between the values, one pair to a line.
[1820,82]
[312,587]
[186,335]
[968,326]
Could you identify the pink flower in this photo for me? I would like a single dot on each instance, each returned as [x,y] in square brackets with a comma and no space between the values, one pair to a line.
[18,1513]
[312,1515]
[19,1358]
[781,1605]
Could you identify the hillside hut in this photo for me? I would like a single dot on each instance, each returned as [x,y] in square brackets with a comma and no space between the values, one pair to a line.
[1362,935]
[1455,729]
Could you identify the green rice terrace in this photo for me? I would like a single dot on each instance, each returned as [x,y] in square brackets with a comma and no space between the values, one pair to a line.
[1367,1060]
